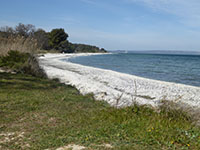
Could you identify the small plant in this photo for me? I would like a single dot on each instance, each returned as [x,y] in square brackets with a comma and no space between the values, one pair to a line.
[118,99]
[174,111]
[134,96]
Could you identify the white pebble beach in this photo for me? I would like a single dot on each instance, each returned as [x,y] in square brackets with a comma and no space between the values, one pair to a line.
[117,89]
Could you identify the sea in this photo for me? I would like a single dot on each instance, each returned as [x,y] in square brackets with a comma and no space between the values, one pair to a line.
[176,67]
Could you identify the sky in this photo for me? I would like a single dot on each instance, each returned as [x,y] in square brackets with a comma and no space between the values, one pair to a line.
[113,24]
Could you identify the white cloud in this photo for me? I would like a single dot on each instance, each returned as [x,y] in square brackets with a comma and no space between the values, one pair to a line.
[187,10]
[89,1]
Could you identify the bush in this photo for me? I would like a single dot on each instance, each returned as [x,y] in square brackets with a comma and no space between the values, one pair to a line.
[33,68]
[13,59]
[22,62]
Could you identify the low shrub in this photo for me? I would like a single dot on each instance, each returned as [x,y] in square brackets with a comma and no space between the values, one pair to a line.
[32,67]
[22,62]
[13,60]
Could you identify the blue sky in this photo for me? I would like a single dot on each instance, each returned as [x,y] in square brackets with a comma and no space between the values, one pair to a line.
[113,24]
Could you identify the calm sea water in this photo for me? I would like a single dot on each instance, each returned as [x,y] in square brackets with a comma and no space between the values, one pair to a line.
[183,69]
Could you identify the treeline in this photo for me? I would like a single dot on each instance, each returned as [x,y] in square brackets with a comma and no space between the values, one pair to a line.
[56,39]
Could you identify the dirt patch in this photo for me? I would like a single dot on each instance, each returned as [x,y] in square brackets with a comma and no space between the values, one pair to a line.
[7,71]
[10,136]
[79,147]
[71,147]
[13,137]
[107,145]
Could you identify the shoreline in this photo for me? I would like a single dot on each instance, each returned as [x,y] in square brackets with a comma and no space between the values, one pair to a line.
[118,89]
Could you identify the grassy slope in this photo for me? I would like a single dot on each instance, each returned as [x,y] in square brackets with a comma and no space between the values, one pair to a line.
[39,114]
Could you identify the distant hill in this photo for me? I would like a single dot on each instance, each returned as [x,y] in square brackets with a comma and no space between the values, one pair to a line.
[83,48]
[169,52]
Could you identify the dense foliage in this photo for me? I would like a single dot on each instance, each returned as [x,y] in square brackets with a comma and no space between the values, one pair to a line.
[56,39]
[42,38]
[14,59]
[83,48]
[21,63]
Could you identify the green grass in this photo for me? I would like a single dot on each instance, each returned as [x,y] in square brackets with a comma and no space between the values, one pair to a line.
[49,114]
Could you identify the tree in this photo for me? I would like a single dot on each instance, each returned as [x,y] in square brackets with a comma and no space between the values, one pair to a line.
[66,47]
[25,30]
[57,37]
[42,38]
[6,31]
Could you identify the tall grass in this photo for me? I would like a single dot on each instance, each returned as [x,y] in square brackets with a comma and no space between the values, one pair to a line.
[17,43]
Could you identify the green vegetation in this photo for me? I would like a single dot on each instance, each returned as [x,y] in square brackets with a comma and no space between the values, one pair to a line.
[21,63]
[14,59]
[27,37]
[40,113]
[82,48]
[57,37]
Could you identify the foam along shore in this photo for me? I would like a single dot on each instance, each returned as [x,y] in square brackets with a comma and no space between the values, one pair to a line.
[118,89]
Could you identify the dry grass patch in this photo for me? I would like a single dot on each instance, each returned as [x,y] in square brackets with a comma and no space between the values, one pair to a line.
[18,43]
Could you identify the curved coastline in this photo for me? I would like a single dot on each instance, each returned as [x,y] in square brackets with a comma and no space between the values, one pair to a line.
[118,89]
